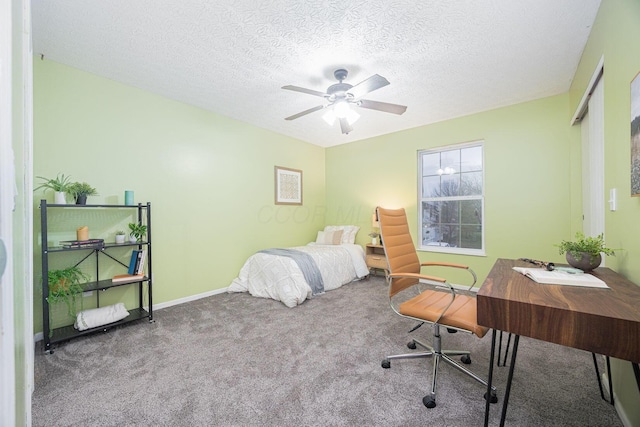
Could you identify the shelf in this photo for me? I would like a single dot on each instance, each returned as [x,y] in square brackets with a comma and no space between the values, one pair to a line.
[100,253]
[105,246]
[107,284]
[53,205]
[68,332]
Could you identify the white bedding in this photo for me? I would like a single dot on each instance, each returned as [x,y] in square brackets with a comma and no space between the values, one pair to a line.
[280,278]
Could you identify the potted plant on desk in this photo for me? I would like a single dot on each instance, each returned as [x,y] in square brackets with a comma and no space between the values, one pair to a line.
[585,253]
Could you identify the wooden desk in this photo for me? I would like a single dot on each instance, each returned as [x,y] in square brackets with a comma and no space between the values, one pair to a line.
[578,317]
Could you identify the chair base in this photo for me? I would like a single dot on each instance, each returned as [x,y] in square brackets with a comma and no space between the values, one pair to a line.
[437,354]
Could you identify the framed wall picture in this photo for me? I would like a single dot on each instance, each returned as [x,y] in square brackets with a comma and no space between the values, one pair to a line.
[635,136]
[288,186]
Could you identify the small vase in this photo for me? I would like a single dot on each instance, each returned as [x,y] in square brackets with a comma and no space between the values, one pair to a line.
[586,262]
[132,239]
[119,238]
[81,199]
[374,240]
[60,198]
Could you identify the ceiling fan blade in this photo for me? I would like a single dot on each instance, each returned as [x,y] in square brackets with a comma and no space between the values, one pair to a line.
[369,85]
[304,90]
[345,126]
[305,112]
[382,106]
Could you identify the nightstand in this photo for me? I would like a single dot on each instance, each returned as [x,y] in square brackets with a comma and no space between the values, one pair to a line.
[376,258]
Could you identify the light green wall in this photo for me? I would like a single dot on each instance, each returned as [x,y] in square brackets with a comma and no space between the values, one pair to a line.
[527,178]
[210,179]
[616,35]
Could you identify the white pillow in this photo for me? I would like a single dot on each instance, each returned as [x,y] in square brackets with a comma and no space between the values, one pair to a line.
[348,232]
[95,317]
[329,237]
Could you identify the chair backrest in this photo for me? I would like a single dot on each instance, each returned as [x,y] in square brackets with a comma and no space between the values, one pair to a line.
[398,246]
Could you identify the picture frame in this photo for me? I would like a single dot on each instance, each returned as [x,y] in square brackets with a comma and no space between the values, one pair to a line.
[635,136]
[288,186]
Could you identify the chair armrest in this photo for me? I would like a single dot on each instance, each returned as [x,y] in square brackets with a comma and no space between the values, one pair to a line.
[417,276]
[453,265]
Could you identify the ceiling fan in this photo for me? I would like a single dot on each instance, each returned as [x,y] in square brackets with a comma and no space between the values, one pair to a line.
[340,96]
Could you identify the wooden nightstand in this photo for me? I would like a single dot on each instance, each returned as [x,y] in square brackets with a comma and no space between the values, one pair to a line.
[376,258]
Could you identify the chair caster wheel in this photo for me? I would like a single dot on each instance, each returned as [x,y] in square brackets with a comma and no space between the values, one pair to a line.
[429,402]
[494,397]
[386,364]
[412,345]
[466,359]
[452,331]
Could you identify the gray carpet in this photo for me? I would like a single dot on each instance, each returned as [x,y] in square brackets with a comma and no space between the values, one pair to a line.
[236,360]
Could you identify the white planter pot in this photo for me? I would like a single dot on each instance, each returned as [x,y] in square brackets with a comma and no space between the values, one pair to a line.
[60,198]
[132,239]
[119,238]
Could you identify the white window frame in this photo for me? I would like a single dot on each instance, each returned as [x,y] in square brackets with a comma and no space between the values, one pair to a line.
[445,249]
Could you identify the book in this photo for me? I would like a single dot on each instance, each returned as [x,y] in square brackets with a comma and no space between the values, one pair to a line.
[90,243]
[133,261]
[127,278]
[84,245]
[81,242]
[141,260]
[558,277]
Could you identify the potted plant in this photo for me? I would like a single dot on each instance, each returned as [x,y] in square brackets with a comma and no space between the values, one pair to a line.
[64,286]
[585,252]
[120,236]
[80,191]
[374,237]
[60,185]
[137,232]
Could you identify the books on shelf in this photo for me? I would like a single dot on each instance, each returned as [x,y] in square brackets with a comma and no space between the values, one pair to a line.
[558,277]
[133,261]
[90,243]
[136,267]
[142,257]
[127,278]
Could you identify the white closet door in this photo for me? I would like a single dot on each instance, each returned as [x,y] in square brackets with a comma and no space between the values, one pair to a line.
[593,192]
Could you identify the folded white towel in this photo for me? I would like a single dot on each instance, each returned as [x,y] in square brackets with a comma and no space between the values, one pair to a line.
[95,317]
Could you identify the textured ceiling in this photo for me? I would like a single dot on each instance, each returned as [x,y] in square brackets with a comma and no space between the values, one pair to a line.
[444,58]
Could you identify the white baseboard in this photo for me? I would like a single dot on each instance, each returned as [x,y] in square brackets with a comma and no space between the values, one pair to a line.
[189,298]
[39,336]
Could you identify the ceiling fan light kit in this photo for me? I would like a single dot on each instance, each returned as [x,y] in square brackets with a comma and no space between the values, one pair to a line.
[341,96]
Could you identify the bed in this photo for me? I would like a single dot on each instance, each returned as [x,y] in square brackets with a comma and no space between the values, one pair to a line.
[292,275]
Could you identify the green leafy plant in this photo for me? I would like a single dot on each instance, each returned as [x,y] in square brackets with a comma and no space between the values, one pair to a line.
[81,189]
[64,286]
[583,244]
[137,230]
[60,183]
[120,233]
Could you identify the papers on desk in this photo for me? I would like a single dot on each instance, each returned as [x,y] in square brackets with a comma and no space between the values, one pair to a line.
[557,277]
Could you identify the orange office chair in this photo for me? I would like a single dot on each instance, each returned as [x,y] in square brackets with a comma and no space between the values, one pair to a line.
[438,304]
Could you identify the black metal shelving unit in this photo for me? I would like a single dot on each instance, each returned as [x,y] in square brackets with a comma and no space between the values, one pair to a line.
[56,335]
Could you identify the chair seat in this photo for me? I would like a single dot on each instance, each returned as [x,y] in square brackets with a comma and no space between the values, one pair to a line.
[429,304]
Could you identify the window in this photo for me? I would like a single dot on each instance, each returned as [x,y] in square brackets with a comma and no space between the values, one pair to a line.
[451,195]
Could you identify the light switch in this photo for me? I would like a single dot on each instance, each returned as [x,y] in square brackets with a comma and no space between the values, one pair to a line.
[613,204]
